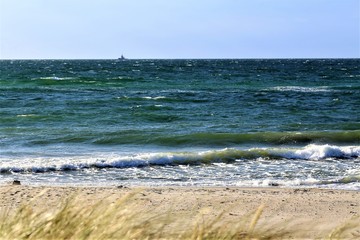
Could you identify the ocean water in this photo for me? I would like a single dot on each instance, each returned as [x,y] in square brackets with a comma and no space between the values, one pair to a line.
[285,122]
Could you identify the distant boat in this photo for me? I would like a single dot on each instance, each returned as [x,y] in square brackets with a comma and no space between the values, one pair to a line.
[122,57]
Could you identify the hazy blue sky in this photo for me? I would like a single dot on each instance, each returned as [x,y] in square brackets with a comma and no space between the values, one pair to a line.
[179,28]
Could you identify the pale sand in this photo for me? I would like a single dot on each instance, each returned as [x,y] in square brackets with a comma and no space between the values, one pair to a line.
[310,210]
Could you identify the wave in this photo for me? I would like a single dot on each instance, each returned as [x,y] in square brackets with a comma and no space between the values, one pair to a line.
[54,78]
[229,155]
[343,180]
[301,89]
[352,183]
[226,139]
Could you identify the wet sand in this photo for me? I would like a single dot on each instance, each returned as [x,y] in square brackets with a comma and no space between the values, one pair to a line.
[311,210]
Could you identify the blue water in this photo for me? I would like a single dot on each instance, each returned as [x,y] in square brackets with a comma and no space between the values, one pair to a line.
[288,122]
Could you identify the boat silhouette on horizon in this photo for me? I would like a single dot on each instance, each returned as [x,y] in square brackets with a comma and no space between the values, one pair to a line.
[122,57]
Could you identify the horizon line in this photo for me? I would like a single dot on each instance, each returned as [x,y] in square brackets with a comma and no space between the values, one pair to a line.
[126,59]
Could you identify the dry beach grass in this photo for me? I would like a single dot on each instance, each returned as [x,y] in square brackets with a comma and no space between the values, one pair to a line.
[177,213]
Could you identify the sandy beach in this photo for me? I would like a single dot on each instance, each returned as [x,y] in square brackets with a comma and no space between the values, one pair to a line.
[311,210]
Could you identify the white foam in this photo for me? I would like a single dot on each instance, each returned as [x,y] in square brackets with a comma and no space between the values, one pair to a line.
[302,183]
[34,163]
[154,98]
[301,89]
[54,78]
[317,152]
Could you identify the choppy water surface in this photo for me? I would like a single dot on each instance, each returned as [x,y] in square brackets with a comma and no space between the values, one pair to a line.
[181,122]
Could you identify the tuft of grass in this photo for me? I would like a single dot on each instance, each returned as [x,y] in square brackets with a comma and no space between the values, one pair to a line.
[124,219]
[246,227]
[350,229]
[74,220]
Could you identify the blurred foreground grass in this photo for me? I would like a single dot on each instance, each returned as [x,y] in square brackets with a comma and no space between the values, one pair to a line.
[123,219]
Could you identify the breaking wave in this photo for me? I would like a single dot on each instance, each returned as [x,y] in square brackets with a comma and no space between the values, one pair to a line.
[229,155]
[208,139]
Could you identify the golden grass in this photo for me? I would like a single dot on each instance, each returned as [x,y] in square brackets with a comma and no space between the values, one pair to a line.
[123,219]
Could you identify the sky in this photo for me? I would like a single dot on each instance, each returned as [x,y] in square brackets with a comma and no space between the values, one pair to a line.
[105,29]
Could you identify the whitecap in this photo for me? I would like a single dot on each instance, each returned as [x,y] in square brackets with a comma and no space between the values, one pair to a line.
[317,152]
[54,78]
[300,89]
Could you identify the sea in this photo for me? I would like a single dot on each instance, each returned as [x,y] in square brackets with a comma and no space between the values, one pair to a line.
[186,122]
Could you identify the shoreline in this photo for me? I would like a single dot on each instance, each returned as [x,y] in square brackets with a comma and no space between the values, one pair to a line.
[311,210]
